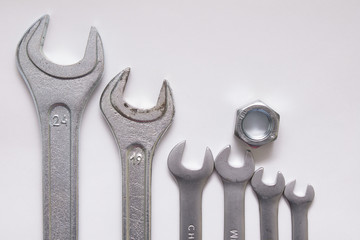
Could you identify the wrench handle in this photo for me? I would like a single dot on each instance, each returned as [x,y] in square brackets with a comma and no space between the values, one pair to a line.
[234,211]
[299,222]
[60,174]
[269,218]
[136,180]
[190,213]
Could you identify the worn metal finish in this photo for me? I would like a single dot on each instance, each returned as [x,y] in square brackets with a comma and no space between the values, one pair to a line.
[60,94]
[271,133]
[191,184]
[235,180]
[299,210]
[137,132]
[269,197]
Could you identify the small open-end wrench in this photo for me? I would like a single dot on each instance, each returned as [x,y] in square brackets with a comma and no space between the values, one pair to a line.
[137,132]
[60,94]
[235,180]
[269,197]
[191,184]
[299,210]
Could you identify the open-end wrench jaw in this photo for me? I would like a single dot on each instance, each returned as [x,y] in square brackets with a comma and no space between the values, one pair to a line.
[234,174]
[164,104]
[267,191]
[294,199]
[130,124]
[48,81]
[183,174]
[31,49]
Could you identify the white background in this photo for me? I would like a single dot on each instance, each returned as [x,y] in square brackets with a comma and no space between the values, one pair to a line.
[300,57]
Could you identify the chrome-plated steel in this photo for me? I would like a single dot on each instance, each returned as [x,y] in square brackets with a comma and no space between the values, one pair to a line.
[137,133]
[191,184]
[235,180]
[299,210]
[262,136]
[60,94]
[269,197]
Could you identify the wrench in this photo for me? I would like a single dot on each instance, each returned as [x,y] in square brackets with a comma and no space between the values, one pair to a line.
[137,132]
[235,181]
[191,184]
[269,197]
[60,94]
[299,209]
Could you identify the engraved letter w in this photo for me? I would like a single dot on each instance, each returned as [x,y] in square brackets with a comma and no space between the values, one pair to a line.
[234,234]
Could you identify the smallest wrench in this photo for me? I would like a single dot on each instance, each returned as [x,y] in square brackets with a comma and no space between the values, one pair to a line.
[191,184]
[235,181]
[299,210]
[269,197]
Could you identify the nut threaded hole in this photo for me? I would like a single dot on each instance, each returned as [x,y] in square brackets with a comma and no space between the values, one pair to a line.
[257,124]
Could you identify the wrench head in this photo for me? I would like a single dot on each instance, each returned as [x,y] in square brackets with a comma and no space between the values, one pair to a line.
[234,174]
[33,41]
[182,174]
[265,191]
[293,199]
[132,125]
[164,104]
[48,81]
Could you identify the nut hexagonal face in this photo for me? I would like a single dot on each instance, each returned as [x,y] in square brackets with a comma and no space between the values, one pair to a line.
[257,124]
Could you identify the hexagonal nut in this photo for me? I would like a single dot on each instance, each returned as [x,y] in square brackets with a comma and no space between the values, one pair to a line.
[257,124]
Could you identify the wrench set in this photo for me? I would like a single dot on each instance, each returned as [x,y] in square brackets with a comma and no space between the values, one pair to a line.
[60,94]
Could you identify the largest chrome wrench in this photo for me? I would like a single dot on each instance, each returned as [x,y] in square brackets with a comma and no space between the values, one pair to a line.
[60,94]
[137,133]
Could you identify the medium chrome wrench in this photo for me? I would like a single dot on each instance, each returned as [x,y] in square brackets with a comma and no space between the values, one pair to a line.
[299,210]
[137,132]
[60,94]
[269,197]
[191,184]
[235,180]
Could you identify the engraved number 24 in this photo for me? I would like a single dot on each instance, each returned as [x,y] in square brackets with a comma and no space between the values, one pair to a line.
[57,121]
